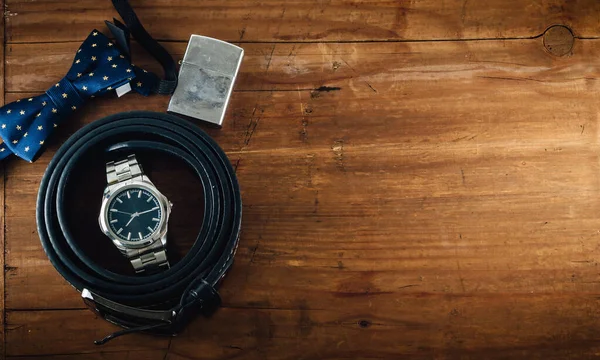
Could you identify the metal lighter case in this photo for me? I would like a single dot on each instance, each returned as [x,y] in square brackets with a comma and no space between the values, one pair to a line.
[206,79]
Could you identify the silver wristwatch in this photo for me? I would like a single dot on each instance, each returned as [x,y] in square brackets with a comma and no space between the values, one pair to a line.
[134,215]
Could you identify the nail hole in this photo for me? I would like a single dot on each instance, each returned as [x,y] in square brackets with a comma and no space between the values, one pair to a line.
[364,323]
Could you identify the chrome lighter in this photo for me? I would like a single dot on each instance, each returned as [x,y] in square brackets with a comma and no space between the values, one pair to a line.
[206,79]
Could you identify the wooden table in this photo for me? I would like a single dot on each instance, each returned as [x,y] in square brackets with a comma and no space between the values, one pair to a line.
[420,180]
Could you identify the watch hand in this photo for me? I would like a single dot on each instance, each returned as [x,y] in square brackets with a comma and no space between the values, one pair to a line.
[133,216]
[147,211]
[123,212]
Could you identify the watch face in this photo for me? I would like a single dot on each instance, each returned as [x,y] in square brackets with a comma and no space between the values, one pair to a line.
[134,214]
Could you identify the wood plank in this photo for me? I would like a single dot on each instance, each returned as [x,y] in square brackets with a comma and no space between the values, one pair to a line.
[2,207]
[2,261]
[419,87]
[69,332]
[309,66]
[105,355]
[332,20]
[400,142]
[381,326]
[449,327]
[498,177]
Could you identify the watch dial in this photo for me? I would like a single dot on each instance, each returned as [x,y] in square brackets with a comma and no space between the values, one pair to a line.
[134,214]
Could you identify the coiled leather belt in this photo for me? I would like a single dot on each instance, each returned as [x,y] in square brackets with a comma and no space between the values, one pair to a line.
[163,302]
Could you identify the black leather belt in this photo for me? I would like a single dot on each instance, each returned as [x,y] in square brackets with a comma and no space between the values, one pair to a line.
[163,302]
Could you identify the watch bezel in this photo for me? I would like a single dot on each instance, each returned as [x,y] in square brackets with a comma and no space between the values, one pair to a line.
[112,192]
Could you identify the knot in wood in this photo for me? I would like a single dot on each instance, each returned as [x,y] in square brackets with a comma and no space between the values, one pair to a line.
[558,40]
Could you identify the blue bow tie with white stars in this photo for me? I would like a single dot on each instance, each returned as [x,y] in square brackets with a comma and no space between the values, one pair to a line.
[98,68]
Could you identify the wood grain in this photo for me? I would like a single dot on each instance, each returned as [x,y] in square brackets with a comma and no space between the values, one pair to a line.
[403,199]
[2,211]
[444,327]
[458,326]
[315,151]
[316,21]
[292,67]
[64,332]
[520,176]
[107,355]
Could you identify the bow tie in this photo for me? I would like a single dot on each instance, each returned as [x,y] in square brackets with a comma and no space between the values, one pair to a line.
[99,67]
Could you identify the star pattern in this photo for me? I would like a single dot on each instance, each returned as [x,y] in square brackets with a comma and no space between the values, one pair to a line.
[25,125]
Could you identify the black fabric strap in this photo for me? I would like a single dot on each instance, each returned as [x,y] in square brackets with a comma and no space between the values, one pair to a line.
[121,34]
[134,26]
[159,303]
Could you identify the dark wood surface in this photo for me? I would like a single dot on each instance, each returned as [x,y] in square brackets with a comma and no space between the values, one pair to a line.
[420,180]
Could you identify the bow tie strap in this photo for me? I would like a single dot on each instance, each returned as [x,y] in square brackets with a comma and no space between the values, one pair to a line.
[145,83]
[134,27]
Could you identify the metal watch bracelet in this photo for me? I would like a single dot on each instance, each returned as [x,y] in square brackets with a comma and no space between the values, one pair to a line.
[153,257]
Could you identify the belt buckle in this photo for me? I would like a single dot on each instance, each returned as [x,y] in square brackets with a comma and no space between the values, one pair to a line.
[124,315]
[208,72]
